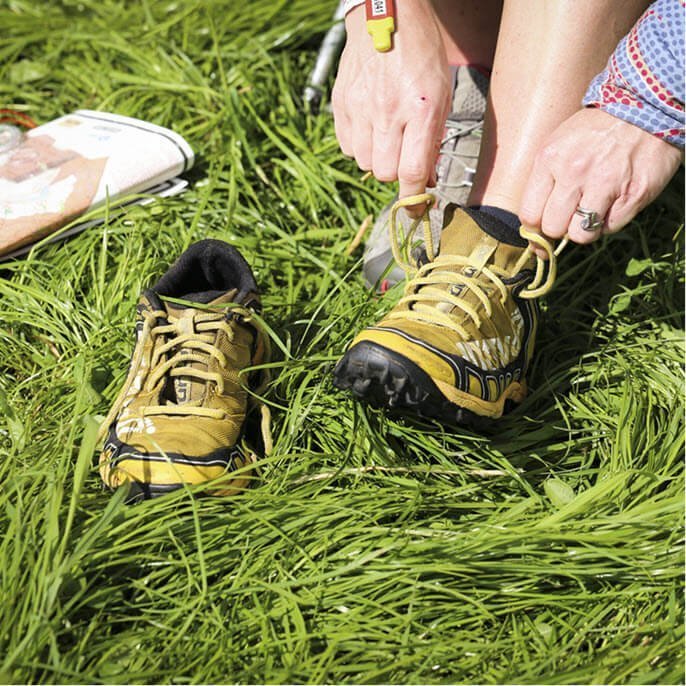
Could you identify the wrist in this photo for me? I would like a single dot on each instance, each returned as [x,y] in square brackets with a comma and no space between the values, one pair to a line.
[417,14]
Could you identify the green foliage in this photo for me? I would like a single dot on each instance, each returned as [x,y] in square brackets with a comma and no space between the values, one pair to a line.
[373,549]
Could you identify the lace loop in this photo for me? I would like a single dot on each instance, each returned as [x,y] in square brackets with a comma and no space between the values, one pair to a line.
[546,270]
[399,242]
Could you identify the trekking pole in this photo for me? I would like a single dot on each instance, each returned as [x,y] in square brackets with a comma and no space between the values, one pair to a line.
[328,54]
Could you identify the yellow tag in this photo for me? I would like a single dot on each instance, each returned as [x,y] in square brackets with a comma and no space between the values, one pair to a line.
[381,30]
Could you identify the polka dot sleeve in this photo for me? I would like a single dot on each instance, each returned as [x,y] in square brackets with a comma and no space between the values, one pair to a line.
[643,82]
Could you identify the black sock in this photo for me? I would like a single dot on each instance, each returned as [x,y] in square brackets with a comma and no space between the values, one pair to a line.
[499,223]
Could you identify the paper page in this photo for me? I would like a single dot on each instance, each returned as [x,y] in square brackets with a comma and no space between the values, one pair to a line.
[77,163]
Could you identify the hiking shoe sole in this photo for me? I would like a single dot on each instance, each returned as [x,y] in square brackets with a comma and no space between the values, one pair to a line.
[385,379]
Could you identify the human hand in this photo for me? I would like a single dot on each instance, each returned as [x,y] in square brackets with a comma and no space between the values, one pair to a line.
[598,162]
[390,108]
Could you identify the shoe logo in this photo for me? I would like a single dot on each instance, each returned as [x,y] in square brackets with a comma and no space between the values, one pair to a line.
[137,425]
[182,388]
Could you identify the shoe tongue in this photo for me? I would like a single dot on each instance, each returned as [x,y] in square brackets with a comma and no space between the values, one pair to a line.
[463,236]
[187,389]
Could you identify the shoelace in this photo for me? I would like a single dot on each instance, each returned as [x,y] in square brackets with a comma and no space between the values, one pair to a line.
[456,129]
[426,289]
[197,346]
[185,348]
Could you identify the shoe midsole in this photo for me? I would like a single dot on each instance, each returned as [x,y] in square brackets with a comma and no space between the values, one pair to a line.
[516,392]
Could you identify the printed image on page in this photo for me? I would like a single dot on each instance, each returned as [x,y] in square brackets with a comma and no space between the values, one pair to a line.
[75,163]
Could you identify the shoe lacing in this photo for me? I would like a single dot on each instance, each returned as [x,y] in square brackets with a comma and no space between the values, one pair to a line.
[454,130]
[175,348]
[426,290]
[201,343]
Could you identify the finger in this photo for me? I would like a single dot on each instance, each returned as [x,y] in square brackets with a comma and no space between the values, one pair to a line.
[538,251]
[386,153]
[341,119]
[417,158]
[558,211]
[580,226]
[362,144]
[536,193]
[620,214]
[343,132]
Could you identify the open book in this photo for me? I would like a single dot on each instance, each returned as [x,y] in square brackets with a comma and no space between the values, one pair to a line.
[62,169]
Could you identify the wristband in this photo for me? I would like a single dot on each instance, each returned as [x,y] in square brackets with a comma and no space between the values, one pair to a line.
[351,4]
[381,23]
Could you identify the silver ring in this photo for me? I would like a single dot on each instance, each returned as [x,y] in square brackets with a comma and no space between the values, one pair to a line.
[589,220]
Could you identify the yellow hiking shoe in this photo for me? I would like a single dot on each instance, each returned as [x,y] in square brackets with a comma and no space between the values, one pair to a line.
[180,416]
[457,345]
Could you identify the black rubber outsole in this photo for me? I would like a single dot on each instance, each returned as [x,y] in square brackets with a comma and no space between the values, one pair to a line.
[138,491]
[385,379]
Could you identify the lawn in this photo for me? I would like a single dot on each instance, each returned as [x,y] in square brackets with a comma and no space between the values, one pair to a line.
[372,549]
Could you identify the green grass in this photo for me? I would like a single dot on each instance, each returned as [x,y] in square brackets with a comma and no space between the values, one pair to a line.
[373,549]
